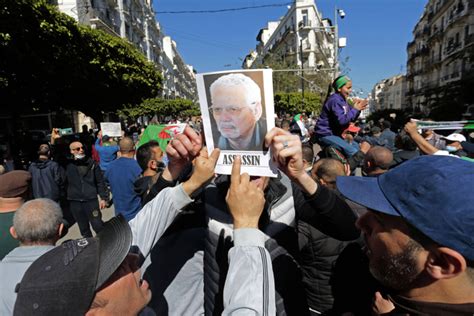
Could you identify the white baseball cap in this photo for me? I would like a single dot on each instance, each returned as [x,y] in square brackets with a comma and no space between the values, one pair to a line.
[455,137]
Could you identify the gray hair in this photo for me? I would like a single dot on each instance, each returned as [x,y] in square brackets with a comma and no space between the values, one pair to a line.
[252,94]
[37,221]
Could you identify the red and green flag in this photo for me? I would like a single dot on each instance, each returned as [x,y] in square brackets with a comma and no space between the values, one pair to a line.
[161,133]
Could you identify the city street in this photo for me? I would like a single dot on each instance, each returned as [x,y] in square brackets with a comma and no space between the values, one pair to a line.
[74,233]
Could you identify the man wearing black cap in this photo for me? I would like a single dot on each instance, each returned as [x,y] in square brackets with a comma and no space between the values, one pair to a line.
[418,230]
[89,275]
[98,276]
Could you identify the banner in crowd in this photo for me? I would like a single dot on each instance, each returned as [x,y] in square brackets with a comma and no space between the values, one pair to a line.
[161,133]
[237,111]
[111,129]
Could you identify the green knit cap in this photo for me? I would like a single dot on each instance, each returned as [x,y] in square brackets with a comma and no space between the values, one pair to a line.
[340,82]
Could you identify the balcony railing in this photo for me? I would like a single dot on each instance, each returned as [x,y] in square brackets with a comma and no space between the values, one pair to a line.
[451,48]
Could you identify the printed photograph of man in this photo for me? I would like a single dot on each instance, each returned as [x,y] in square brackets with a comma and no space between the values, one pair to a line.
[236,108]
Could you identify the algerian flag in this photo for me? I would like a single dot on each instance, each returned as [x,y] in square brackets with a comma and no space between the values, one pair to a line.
[162,133]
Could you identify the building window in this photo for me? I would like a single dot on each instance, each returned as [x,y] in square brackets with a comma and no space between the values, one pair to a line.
[304,14]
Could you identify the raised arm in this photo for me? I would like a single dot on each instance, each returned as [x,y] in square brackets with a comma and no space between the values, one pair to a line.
[422,143]
[249,287]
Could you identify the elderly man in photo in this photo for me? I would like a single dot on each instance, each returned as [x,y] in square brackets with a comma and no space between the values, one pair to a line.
[237,109]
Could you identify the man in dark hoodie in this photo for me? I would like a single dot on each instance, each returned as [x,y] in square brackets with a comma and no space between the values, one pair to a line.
[47,177]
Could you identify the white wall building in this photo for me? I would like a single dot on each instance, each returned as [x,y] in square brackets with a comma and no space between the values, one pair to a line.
[302,36]
[181,78]
[135,21]
[375,95]
[389,94]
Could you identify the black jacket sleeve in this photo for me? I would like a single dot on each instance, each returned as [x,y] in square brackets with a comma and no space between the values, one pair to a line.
[156,188]
[327,211]
[100,182]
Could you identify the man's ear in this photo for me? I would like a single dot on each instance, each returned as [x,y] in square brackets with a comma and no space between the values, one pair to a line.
[152,164]
[347,169]
[445,263]
[258,110]
[13,232]
[60,229]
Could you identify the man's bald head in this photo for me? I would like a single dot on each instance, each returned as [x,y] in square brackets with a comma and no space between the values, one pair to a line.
[377,160]
[38,222]
[126,145]
[326,170]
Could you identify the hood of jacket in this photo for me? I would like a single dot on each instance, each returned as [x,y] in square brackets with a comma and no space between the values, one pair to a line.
[41,164]
[142,185]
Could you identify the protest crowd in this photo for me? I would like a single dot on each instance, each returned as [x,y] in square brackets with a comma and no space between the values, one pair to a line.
[361,219]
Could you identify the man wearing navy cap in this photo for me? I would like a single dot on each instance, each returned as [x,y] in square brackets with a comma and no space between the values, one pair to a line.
[418,230]
[419,233]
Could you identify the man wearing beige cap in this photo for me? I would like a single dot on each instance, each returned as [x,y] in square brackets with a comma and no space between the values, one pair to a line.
[14,191]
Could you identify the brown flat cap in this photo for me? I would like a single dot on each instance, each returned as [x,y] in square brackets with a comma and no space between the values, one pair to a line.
[14,183]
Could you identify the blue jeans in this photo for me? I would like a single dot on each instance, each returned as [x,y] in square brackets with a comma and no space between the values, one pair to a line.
[339,143]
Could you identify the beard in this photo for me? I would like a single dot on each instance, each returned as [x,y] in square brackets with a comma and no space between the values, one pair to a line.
[398,271]
[229,131]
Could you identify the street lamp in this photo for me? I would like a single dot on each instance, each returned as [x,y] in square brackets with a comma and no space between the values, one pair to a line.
[342,14]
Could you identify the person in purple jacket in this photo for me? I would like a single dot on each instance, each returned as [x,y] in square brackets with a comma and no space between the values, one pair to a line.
[336,116]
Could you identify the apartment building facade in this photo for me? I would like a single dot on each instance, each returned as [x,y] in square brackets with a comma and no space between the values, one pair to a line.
[441,58]
[302,38]
[389,94]
[135,21]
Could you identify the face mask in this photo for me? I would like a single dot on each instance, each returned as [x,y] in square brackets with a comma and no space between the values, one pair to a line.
[451,149]
[165,160]
[79,156]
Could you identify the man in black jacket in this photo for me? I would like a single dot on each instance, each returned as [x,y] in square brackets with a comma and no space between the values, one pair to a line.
[84,182]
[47,179]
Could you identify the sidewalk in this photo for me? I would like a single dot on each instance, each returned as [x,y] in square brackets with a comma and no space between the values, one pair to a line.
[74,233]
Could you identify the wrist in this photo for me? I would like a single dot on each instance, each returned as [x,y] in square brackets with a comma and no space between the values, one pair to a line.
[173,171]
[245,223]
[307,184]
[191,185]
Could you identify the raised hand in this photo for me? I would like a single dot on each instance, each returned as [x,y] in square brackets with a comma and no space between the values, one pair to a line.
[244,199]
[286,152]
[204,166]
[360,104]
[411,128]
[182,149]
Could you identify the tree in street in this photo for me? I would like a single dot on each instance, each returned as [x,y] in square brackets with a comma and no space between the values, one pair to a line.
[49,62]
[161,108]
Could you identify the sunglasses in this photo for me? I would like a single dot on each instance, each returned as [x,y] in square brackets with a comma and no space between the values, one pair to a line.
[78,148]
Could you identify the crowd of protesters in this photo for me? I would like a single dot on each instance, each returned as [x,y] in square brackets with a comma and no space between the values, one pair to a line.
[316,240]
